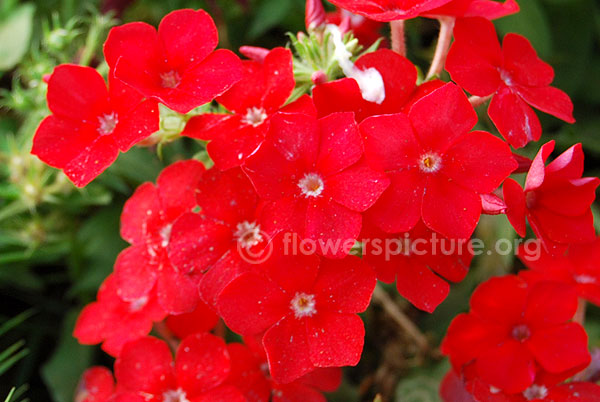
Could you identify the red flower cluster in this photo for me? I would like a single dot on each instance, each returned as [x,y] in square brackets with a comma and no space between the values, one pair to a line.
[371,159]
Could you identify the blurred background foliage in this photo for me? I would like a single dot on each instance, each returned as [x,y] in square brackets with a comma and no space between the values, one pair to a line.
[58,243]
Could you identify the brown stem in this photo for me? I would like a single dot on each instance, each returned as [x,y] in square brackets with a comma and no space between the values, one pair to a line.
[391,308]
[398,37]
[442,47]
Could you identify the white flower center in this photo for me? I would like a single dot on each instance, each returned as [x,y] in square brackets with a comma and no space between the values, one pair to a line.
[107,123]
[177,395]
[138,304]
[311,185]
[170,79]
[369,80]
[430,162]
[535,392]
[303,305]
[165,234]
[584,279]
[504,76]
[255,116]
[248,234]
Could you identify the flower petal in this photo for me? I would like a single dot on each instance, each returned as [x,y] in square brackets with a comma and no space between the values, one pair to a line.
[515,120]
[335,340]
[561,347]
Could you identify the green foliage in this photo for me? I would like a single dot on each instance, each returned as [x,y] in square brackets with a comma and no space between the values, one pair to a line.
[16,26]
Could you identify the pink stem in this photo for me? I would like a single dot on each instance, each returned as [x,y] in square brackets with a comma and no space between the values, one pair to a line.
[398,38]
[442,47]
[580,313]
[478,100]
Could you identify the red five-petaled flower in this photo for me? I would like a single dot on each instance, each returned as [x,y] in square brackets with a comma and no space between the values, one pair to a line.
[306,305]
[514,330]
[489,9]
[263,89]
[513,74]
[145,371]
[90,124]
[175,65]
[312,173]
[556,200]
[437,168]
[115,322]
[147,222]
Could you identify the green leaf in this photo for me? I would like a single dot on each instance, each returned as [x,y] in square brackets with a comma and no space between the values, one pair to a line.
[15,34]
[532,23]
[268,14]
[422,386]
[61,373]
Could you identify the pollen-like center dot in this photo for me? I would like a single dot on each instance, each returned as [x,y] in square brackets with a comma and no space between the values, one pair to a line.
[255,116]
[138,304]
[430,163]
[177,395]
[107,123]
[521,332]
[311,185]
[303,305]
[248,234]
[535,392]
[165,234]
[170,79]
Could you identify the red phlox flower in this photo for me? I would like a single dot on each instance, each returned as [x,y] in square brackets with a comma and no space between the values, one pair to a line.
[96,385]
[344,95]
[578,267]
[513,332]
[114,322]
[438,169]
[475,8]
[145,369]
[222,233]
[312,174]
[389,10]
[556,200]
[90,124]
[366,30]
[457,389]
[418,261]
[263,90]
[307,308]
[514,74]
[250,374]
[202,319]
[177,64]
[146,223]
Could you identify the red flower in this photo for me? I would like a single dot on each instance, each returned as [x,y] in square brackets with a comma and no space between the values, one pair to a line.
[146,223]
[417,261]
[489,9]
[513,331]
[115,322]
[90,124]
[145,370]
[96,385]
[306,305]
[263,90]
[344,95]
[176,65]
[202,319]
[367,31]
[578,267]
[437,168]
[389,10]
[456,389]
[312,174]
[249,374]
[225,227]
[556,200]
[513,74]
